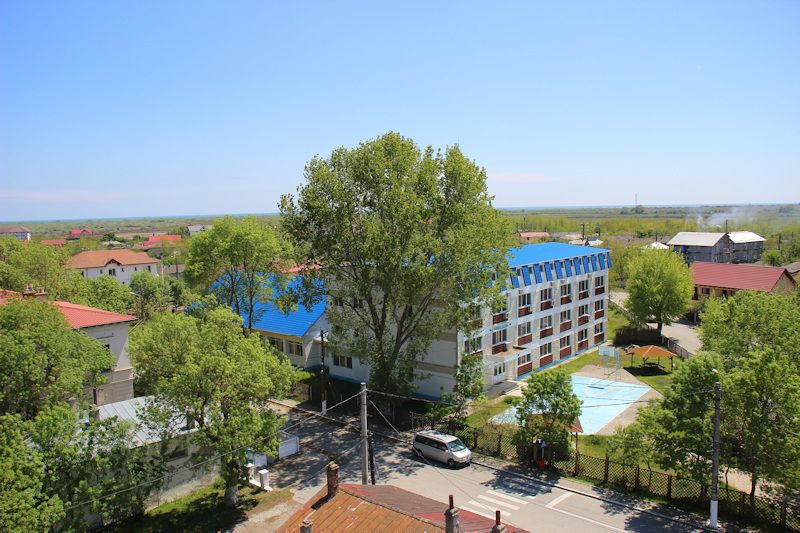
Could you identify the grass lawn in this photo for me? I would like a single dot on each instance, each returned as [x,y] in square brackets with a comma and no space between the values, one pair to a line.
[486,409]
[202,511]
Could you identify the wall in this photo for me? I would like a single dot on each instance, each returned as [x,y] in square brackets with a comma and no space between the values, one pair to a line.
[122,273]
[119,386]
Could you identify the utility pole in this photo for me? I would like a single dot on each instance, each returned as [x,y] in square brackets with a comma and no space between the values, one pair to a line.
[323,374]
[364,435]
[715,460]
[583,232]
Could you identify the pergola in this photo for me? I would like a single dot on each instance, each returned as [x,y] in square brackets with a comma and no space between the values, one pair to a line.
[650,352]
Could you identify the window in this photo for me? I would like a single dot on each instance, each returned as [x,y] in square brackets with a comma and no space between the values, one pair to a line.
[599,305]
[545,349]
[344,361]
[149,268]
[473,345]
[524,299]
[499,336]
[524,329]
[566,316]
[123,269]
[475,312]
[566,290]
[101,271]
[599,281]
[564,342]
[583,286]
[546,294]
[583,335]
[135,269]
[522,359]
[706,291]
[295,348]
[276,343]
[598,328]
[546,322]
[583,310]
[500,369]
[112,271]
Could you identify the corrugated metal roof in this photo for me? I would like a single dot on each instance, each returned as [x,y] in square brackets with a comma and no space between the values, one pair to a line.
[548,251]
[295,323]
[128,410]
[695,238]
[740,237]
[738,277]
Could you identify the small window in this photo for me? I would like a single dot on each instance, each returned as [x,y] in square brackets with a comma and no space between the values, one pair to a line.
[276,343]
[524,300]
[499,336]
[295,348]
[599,305]
[135,269]
[122,269]
[524,329]
[472,345]
[546,322]
[112,271]
[583,335]
[101,271]
[344,361]
[566,290]
[706,290]
[583,310]
[564,342]
[583,285]
[598,328]
[545,349]
[149,268]
[523,359]
[599,281]
[546,294]
[566,316]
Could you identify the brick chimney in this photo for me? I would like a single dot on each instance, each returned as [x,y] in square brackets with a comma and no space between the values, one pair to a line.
[30,292]
[333,479]
[451,524]
[306,526]
[498,526]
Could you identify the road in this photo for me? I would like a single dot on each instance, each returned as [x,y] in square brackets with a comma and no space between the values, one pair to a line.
[523,502]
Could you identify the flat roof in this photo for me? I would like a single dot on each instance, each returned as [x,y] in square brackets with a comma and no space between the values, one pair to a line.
[549,251]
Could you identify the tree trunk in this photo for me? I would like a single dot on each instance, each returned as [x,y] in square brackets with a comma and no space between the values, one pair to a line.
[660,325]
[753,483]
[231,495]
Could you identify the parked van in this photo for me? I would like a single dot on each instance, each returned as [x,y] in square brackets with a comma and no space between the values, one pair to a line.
[441,447]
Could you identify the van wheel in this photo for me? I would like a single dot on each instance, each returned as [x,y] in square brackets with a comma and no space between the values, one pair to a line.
[451,463]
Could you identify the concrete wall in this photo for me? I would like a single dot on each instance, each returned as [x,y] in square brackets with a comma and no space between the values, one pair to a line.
[119,385]
[121,273]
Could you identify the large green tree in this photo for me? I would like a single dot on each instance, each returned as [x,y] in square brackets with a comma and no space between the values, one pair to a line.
[43,267]
[405,238]
[42,360]
[548,409]
[107,293]
[241,260]
[207,370]
[659,287]
[151,295]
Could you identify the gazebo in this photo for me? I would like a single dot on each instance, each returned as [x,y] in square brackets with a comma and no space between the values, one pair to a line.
[650,352]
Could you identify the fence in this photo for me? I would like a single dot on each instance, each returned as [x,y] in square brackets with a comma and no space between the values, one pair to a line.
[497,441]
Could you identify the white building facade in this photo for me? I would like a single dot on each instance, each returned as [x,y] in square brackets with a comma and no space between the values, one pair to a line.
[119,264]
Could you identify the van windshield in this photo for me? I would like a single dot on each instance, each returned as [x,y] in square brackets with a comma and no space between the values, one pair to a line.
[456,446]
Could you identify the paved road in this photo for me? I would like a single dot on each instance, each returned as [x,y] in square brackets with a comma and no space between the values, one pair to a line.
[683,332]
[523,502]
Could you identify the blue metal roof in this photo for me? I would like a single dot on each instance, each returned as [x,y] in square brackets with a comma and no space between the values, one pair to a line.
[526,275]
[296,323]
[537,272]
[548,251]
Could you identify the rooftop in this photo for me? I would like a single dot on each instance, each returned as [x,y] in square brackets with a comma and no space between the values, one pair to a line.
[548,251]
[695,238]
[100,258]
[294,323]
[736,276]
[78,316]
[14,229]
[745,236]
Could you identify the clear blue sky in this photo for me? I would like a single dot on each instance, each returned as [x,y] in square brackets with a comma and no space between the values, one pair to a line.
[157,108]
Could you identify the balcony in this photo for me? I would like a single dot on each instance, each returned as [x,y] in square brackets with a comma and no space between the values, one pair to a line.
[524,311]
[599,290]
[583,295]
[546,305]
[583,319]
[500,317]
[600,337]
[524,369]
[545,360]
[565,326]
[545,332]
[582,345]
[565,352]
[599,314]
[566,300]
[525,339]
[497,348]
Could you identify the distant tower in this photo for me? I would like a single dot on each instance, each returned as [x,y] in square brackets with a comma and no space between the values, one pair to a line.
[635,199]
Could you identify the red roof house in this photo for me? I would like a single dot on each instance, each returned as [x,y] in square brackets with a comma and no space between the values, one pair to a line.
[78,233]
[724,279]
[56,243]
[78,316]
[100,258]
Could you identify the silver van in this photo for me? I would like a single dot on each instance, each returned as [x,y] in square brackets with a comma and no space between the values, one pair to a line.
[441,447]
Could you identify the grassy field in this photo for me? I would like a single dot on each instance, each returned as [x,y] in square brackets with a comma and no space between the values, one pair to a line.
[201,511]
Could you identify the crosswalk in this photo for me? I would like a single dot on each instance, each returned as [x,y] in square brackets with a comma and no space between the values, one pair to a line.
[493,500]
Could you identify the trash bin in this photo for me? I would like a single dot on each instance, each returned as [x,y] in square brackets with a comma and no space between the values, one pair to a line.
[540,463]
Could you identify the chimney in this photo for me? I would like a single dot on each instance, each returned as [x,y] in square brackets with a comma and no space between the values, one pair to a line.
[333,479]
[498,527]
[451,524]
[30,292]
[306,526]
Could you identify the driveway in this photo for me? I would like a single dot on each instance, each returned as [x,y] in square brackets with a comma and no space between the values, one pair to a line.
[685,333]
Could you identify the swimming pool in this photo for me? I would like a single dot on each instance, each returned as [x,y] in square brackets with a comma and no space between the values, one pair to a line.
[602,400]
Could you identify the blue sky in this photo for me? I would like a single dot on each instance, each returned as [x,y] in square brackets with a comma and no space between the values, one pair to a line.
[168,108]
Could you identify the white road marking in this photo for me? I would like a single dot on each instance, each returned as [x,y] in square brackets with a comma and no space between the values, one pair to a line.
[558,500]
[498,502]
[595,522]
[485,515]
[507,497]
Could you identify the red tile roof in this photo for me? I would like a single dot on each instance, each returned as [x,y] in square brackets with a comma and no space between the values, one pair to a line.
[78,316]
[738,277]
[100,258]
[54,242]
[373,507]
[81,231]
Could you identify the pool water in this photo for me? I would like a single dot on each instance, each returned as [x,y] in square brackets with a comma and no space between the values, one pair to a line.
[602,400]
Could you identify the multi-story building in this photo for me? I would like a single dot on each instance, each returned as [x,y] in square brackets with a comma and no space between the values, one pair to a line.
[556,307]
[18,232]
[732,247]
[119,264]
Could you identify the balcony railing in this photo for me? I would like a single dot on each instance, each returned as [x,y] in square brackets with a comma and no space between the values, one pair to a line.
[546,305]
[582,345]
[599,290]
[583,295]
[525,339]
[599,314]
[600,337]
[566,299]
[546,332]
[583,319]
[499,317]
[497,348]
[565,325]
[565,352]
[523,311]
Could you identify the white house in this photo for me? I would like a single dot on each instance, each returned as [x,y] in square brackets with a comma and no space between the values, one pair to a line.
[18,232]
[119,264]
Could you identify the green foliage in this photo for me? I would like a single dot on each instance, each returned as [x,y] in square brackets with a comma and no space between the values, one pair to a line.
[548,408]
[24,506]
[468,387]
[240,260]
[42,360]
[772,257]
[42,266]
[752,321]
[659,287]
[107,293]
[151,295]
[406,235]
[221,380]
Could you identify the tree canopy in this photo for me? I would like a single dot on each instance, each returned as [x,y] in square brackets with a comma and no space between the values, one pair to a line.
[107,293]
[405,237]
[659,286]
